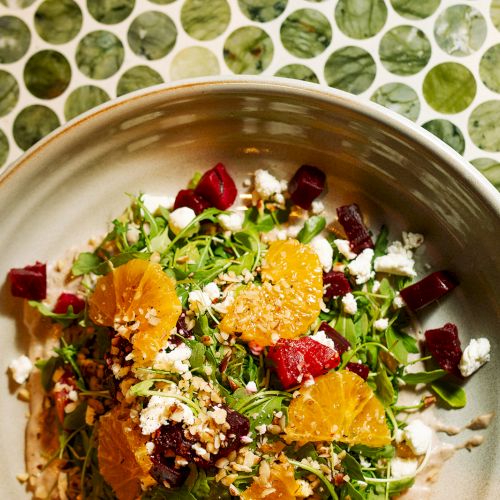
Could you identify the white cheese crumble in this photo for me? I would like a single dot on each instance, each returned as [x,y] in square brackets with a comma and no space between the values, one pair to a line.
[133,234]
[275,234]
[317,207]
[223,307]
[349,304]
[361,266]
[266,184]
[150,447]
[381,324]
[398,301]
[180,218]
[475,355]
[305,489]
[324,251]
[403,467]
[21,368]
[152,202]
[320,336]
[261,429]
[251,387]
[232,221]
[376,286]
[201,300]
[162,409]
[412,240]
[345,249]
[176,360]
[398,261]
[211,290]
[418,436]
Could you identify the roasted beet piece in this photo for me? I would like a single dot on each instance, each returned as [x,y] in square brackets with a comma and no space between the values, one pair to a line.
[181,330]
[299,359]
[164,471]
[306,185]
[69,299]
[429,289]
[341,343]
[30,282]
[359,369]
[336,284]
[352,221]
[188,198]
[444,345]
[217,187]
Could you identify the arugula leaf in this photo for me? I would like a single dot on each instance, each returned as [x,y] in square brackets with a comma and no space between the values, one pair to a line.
[400,485]
[85,263]
[312,227]
[350,492]
[387,451]
[63,318]
[119,260]
[423,377]
[197,354]
[345,326]
[76,419]
[68,353]
[385,390]
[260,222]
[47,368]
[381,242]
[450,392]
[350,465]
[396,345]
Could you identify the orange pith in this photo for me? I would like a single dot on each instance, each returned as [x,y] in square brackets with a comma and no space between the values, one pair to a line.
[288,301]
[138,299]
[339,406]
[281,479]
[123,459]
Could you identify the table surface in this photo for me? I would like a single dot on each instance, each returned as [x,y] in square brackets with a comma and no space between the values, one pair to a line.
[435,62]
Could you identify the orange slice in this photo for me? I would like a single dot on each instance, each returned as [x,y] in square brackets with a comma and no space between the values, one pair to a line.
[278,482]
[138,299]
[339,406]
[123,460]
[288,301]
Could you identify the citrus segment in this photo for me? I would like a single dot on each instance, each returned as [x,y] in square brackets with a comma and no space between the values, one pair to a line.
[339,406]
[139,300]
[288,301]
[123,459]
[276,481]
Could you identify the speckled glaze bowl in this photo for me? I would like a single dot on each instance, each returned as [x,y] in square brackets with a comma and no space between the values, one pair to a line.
[69,186]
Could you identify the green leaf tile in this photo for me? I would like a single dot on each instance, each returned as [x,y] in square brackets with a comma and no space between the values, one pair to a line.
[489,68]
[15,38]
[360,18]
[47,74]
[495,13]
[9,92]
[205,20]
[192,62]
[248,50]
[306,33]
[400,98]
[449,87]
[484,126]
[405,50]
[162,2]
[298,72]
[4,148]
[58,21]
[82,99]
[448,132]
[110,11]
[32,124]
[490,169]
[262,10]
[152,35]
[415,9]
[21,4]
[138,77]
[350,68]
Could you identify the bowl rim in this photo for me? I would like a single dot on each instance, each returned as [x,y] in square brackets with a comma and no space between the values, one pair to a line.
[459,165]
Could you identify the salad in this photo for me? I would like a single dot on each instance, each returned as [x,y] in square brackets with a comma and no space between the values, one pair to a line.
[202,351]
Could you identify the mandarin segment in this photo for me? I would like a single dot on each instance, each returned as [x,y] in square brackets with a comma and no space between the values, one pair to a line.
[339,406]
[139,300]
[288,301]
[123,459]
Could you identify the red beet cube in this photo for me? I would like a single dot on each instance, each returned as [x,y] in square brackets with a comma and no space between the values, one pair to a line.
[359,369]
[69,299]
[217,187]
[297,360]
[444,345]
[336,284]
[352,221]
[29,282]
[306,185]
[188,198]
[429,289]
[341,343]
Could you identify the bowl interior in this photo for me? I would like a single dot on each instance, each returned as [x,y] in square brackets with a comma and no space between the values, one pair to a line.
[66,190]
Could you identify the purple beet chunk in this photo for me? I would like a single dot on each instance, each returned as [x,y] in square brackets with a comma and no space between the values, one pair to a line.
[336,284]
[306,185]
[352,221]
[181,330]
[188,198]
[444,345]
[429,289]
[359,369]
[341,343]
[29,282]
[239,426]
[164,470]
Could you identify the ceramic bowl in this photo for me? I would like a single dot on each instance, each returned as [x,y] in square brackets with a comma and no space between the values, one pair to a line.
[66,189]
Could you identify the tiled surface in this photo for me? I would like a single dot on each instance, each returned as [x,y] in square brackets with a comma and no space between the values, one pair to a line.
[435,62]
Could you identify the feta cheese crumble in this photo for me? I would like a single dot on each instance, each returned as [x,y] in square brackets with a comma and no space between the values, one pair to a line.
[344,248]
[180,218]
[412,240]
[398,301]
[349,304]
[176,360]
[232,221]
[160,410]
[418,436]
[251,387]
[21,368]
[266,184]
[398,261]
[317,207]
[320,336]
[475,355]
[324,251]
[201,300]
[403,467]
[361,266]
[381,324]
[152,202]
[223,307]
